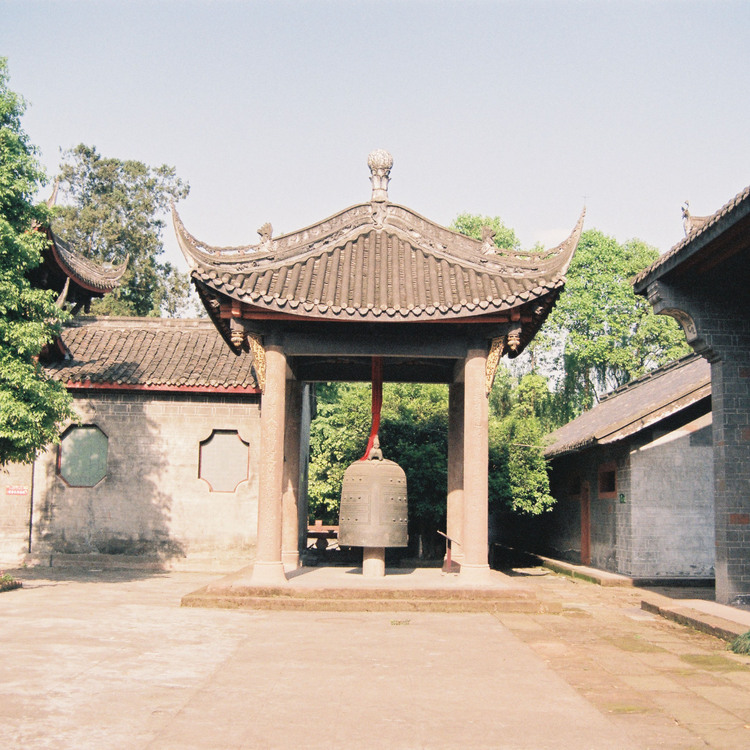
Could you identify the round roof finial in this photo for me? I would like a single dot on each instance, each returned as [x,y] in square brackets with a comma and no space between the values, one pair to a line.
[380,163]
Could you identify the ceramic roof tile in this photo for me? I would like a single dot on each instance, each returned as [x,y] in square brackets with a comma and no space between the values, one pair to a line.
[359,265]
[153,352]
[635,406]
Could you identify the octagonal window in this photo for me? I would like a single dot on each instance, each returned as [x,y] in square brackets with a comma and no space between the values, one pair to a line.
[82,458]
[224,460]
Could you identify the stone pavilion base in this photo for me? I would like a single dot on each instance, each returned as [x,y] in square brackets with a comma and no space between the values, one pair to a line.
[345,589]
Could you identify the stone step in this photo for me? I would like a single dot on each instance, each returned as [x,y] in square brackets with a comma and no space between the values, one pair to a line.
[407,602]
[367,592]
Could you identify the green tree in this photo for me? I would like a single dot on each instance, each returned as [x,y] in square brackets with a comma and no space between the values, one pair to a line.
[338,437]
[518,478]
[609,335]
[32,407]
[114,210]
[413,432]
[471,225]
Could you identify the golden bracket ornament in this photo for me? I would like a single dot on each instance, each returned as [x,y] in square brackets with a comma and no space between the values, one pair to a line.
[259,359]
[493,359]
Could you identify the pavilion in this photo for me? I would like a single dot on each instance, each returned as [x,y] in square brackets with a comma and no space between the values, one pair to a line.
[375,280]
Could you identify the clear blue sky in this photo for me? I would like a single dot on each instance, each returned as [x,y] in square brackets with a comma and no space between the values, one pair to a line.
[518,109]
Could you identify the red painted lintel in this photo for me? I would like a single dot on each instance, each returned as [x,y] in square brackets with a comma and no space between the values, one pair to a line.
[87,384]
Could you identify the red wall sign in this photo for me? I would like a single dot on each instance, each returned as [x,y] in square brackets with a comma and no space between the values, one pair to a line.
[16,490]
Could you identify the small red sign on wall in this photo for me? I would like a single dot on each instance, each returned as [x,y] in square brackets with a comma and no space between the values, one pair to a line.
[16,489]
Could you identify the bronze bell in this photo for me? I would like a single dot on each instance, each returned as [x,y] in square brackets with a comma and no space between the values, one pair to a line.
[373,510]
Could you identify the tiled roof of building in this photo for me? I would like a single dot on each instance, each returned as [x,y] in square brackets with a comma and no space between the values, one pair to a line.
[635,406]
[156,353]
[700,233]
[363,265]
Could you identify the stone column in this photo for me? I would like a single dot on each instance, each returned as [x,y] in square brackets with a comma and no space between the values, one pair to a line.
[269,569]
[304,463]
[455,509]
[475,566]
[291,486]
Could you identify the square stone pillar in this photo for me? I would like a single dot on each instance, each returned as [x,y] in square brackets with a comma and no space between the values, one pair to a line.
[475,566]
[730,398]
[269,569]
[291,492]
[455,505]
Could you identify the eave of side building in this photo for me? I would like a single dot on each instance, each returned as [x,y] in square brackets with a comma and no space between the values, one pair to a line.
[150,354]
[636,406]
[711,242]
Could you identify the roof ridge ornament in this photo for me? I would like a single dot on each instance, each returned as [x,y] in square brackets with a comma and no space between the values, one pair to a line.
[380,163]
[689,222]
[265,233]
[488,240]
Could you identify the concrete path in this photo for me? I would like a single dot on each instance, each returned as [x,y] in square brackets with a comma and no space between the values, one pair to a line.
[110,660]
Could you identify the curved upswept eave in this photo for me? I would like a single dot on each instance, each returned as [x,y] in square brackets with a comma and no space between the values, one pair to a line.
[199,253]
[557,260]
[88,275]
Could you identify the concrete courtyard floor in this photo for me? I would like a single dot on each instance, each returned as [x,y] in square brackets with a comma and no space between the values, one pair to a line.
[110,660]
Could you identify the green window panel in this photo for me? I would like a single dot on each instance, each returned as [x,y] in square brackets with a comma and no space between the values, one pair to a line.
[83,455]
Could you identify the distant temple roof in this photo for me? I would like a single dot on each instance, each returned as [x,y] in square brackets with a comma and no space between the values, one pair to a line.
[635,406]
[160,354]
[708,241]
[378,262]
[75,278]
[87,279]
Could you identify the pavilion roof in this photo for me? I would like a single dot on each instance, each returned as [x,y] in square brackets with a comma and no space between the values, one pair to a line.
[377,262]
[350,267]
[149,353]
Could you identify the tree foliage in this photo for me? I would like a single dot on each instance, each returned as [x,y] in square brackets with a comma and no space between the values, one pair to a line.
[32,407]
[610,335]
[114,210]
[519,417]
[338,437]
[471,225]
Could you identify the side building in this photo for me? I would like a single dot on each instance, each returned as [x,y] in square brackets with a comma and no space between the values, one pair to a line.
[161,466]
[633,479]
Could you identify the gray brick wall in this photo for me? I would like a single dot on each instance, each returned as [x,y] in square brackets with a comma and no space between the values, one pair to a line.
[716,319]
[152,502]
[659,522]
